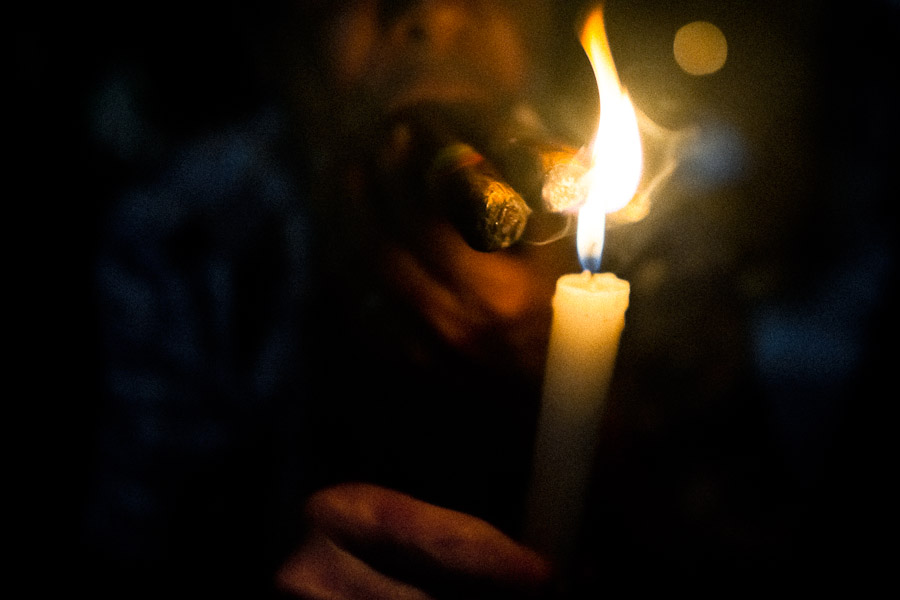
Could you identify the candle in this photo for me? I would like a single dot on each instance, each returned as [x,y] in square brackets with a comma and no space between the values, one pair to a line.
[588,319]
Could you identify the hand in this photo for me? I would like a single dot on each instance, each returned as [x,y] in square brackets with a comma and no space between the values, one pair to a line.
[371,543]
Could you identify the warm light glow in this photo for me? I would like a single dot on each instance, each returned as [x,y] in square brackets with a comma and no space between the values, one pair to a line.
[700,48]
[616,159]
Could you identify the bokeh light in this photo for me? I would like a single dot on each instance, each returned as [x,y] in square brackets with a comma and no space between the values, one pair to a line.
[700,48]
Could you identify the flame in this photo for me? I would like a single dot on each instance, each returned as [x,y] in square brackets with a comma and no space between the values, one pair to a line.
[616,155]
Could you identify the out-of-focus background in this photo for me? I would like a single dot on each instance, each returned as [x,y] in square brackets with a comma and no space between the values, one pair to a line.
[746,439]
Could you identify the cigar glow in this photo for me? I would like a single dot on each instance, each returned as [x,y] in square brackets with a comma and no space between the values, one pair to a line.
[588,319]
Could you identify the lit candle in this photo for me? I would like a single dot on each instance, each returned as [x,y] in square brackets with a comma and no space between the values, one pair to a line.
[588,319]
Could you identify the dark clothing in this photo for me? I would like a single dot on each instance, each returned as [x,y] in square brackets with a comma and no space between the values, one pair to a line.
[239,375]
[202,283]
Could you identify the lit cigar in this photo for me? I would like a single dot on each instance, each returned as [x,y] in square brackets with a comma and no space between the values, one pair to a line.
[487,211]
[470,191]
[550,174]
[494,180]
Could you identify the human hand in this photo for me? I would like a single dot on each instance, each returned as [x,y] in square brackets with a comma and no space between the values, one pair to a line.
[368,542]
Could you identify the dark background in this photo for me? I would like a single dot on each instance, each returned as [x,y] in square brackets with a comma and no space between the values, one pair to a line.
[747,434]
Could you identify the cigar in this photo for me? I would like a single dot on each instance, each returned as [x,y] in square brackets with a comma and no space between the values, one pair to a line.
[548,173]
[489,213]
[494,180]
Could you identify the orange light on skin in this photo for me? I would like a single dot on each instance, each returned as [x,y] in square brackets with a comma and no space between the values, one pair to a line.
[616,153]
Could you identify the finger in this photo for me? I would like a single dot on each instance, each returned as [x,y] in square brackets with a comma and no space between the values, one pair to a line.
[455,321]
[323,570]
[493,307]
[370,520]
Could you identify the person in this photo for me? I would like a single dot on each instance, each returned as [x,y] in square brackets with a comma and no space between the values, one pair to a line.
[313,383]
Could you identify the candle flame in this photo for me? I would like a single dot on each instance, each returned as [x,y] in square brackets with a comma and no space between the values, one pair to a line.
[616,156]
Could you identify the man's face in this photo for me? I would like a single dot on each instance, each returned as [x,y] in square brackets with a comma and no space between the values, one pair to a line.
[464,54]
[434,50]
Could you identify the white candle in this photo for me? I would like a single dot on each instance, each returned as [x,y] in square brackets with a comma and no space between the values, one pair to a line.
[588,318]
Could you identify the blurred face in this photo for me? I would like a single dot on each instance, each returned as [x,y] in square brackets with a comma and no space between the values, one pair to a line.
[434,49]
[381,61]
